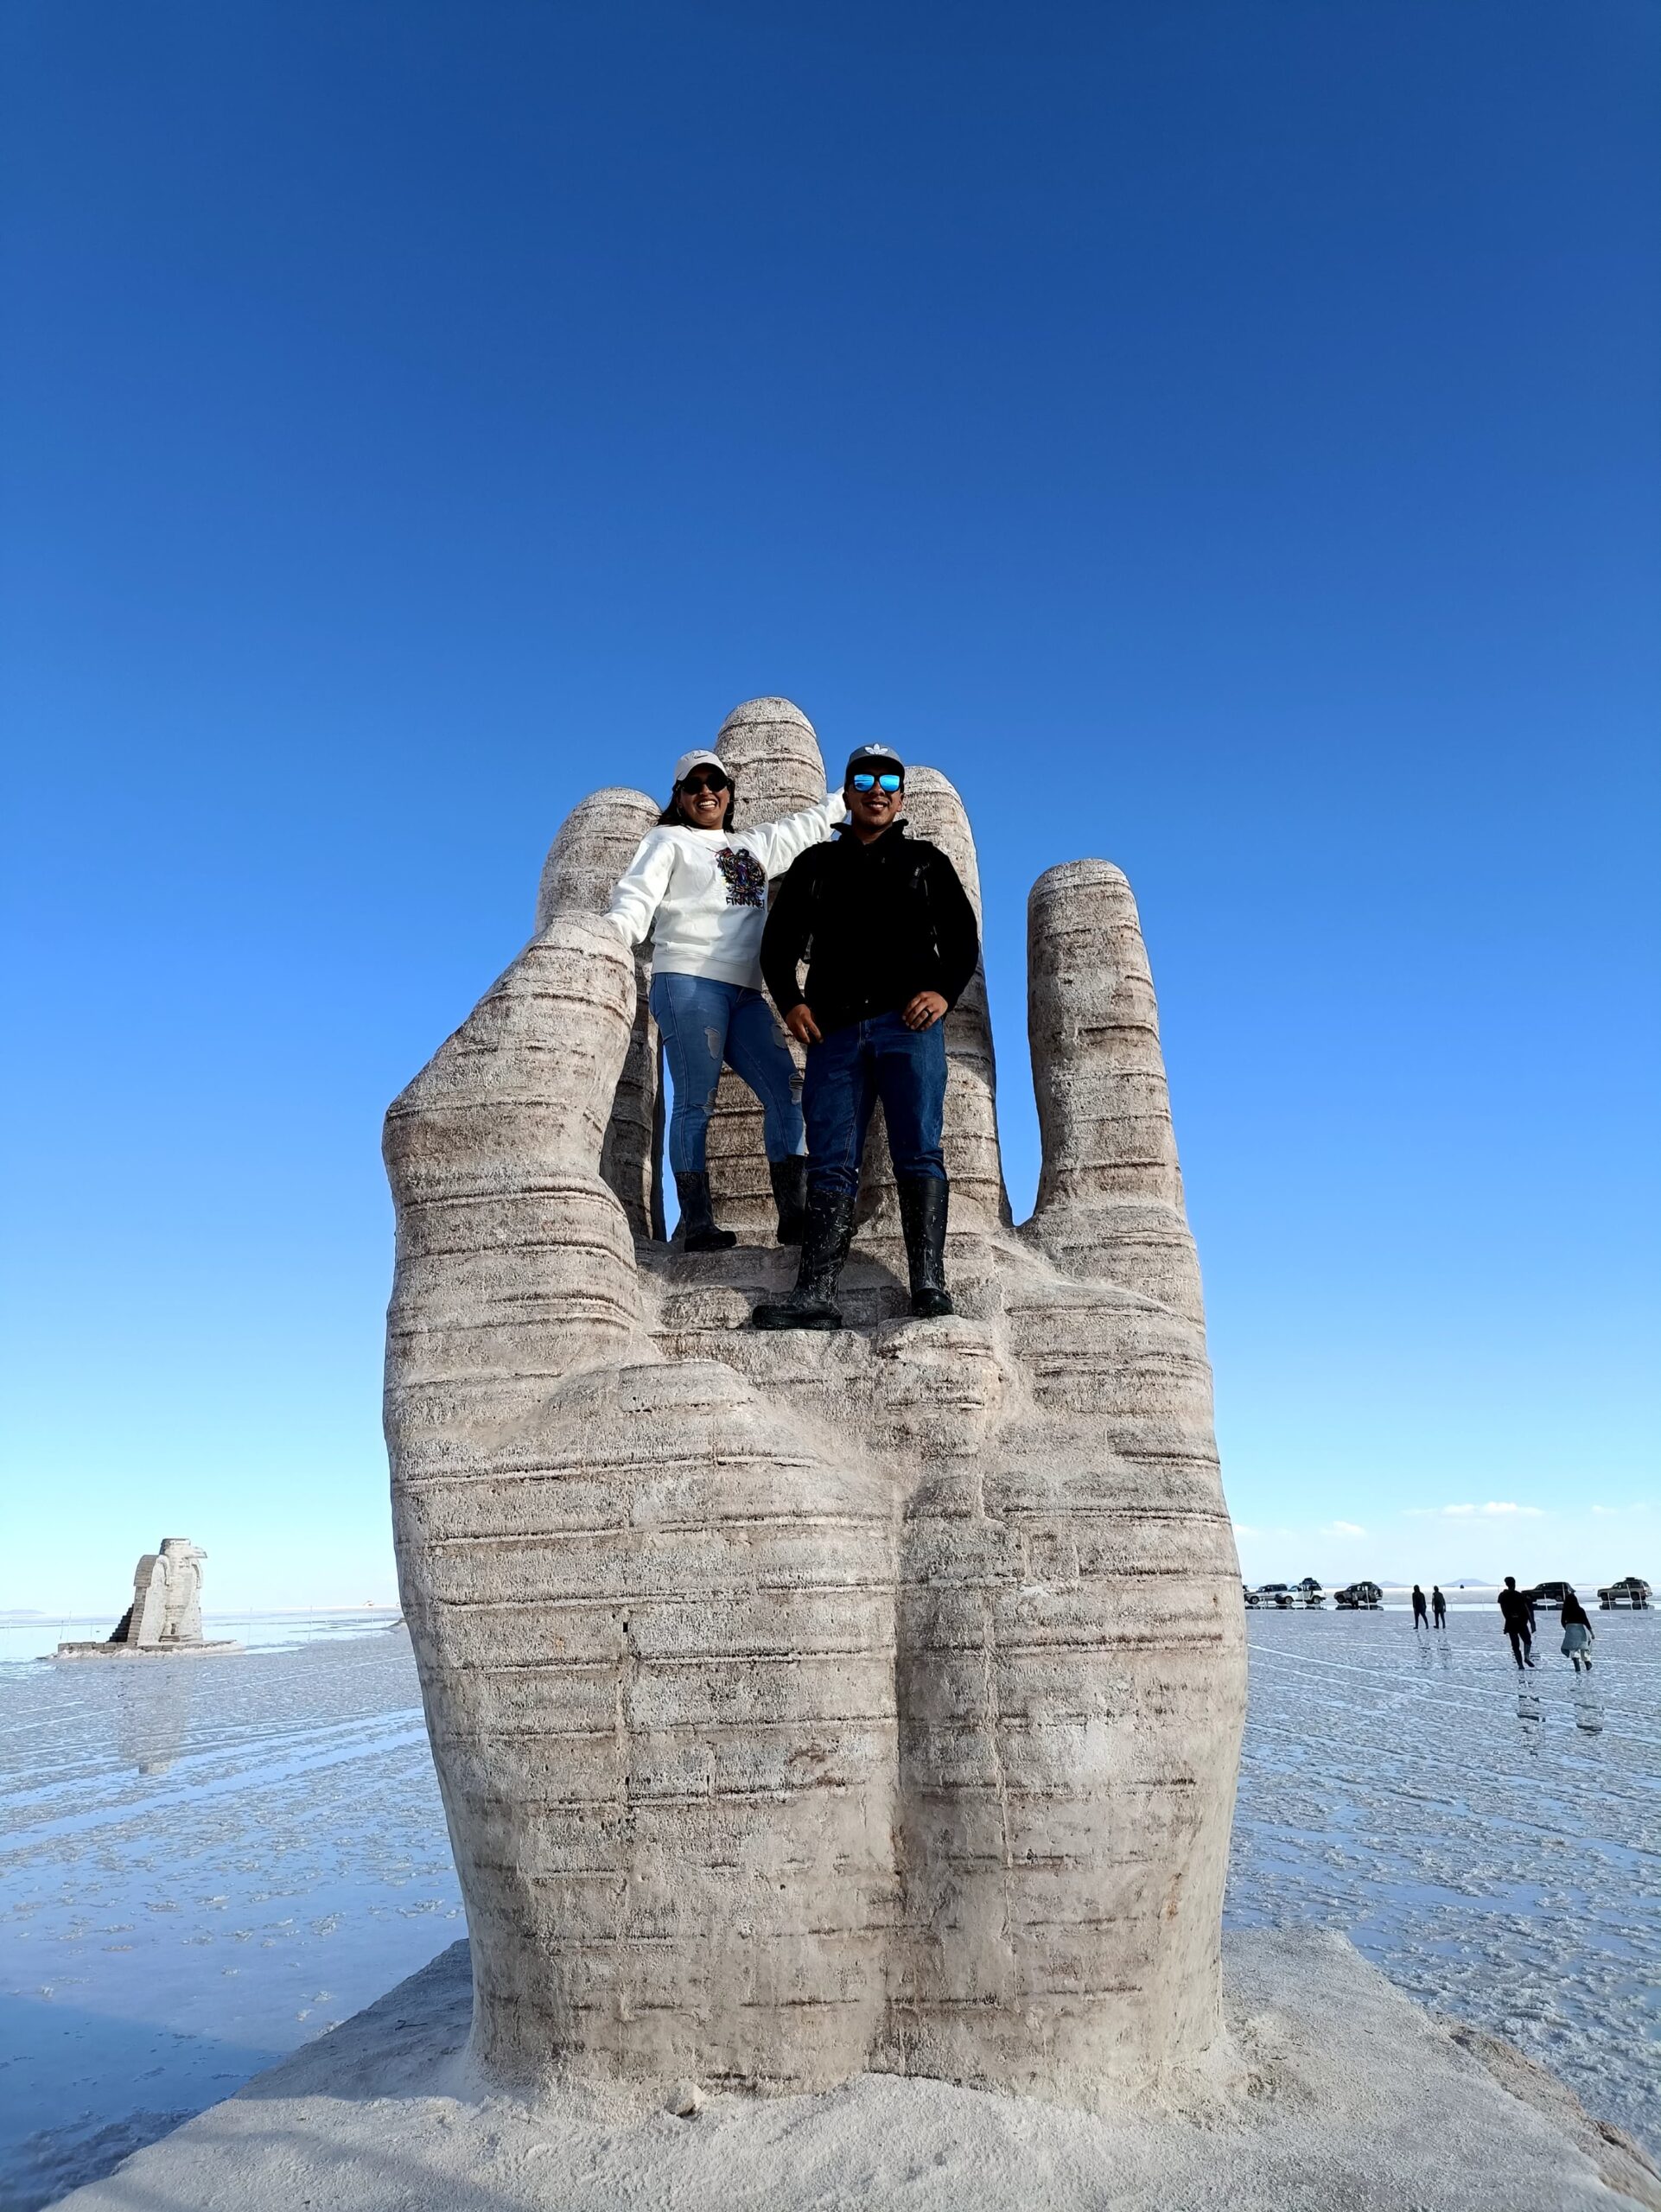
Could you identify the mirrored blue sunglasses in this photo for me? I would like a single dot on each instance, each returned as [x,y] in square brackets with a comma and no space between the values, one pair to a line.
[876,783]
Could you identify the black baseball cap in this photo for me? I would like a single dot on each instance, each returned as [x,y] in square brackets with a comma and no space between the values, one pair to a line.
[878,760]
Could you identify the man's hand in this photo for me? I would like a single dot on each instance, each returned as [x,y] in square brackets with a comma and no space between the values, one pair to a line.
[801,1025]
[924,1011]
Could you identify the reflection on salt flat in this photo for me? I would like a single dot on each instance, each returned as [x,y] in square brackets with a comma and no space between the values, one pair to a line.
[1490,1840]
[204,1866]
[153,1715]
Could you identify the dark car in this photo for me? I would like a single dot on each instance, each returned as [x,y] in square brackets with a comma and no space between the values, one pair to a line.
[1549,1593]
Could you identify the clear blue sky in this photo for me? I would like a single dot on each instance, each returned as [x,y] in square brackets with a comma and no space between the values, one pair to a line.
[1221,435]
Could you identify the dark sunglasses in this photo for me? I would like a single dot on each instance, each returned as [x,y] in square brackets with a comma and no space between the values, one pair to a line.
[710,783]
[877,783]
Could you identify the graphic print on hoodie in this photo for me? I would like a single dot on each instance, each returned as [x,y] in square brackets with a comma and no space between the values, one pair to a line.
[747,879]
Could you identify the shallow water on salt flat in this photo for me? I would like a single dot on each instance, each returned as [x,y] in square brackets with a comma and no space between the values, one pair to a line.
[207,1861]
[1491,1841]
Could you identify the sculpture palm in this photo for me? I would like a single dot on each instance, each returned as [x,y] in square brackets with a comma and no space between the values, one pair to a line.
[807,1703]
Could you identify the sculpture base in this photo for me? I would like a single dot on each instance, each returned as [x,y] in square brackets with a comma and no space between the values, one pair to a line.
[146,1650]
[1351,2095]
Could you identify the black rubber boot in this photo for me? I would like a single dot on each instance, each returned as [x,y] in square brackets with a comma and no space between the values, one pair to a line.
[699,1231]
[812,1304]
[789,1181]
[923,1201]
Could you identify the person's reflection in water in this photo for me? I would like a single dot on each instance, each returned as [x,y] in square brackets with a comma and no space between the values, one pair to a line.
[1588,1705]
[1528,1712]
[152,1714]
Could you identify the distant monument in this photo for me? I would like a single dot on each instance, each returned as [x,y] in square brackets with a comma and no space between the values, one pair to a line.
[167,1596]
[166,1613]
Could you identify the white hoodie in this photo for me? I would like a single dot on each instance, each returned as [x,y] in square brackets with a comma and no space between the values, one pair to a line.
[702,893]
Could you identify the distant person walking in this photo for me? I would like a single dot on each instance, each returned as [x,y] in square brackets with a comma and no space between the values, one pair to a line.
[1438,1605]
[1517,1613]
[1577,1634]
[1421,1618]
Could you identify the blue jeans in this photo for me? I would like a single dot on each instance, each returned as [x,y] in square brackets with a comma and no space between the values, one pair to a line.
[703,1023]
[847,1072]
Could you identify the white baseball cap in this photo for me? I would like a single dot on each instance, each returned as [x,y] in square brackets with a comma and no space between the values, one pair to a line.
[688,761]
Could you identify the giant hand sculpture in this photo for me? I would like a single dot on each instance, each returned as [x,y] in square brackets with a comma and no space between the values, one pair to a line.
[806,1704]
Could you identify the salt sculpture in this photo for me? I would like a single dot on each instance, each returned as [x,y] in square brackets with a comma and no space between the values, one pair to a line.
[805,1704]
[167,1596]
[166,1613]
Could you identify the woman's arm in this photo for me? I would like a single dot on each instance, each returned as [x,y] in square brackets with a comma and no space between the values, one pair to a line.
[777,843]
[639,890]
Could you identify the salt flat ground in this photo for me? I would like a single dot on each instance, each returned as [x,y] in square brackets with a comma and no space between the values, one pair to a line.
[207,1862]
[204,1862]
[1491,1841]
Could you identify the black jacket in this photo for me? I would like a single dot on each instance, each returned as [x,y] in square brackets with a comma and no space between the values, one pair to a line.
[1516,1611]
[876,924]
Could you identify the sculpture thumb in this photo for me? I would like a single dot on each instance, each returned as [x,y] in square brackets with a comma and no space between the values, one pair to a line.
[1109,1194]
[595,844]
[514,1261]
[592,845]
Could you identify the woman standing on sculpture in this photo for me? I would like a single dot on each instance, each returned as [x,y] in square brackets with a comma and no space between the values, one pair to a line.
[699,887]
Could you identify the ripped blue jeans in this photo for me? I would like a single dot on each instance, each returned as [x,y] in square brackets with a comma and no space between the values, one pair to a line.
[703,1023]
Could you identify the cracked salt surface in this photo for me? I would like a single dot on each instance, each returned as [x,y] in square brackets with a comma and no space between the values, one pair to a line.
[1491,1841]
[207,1862]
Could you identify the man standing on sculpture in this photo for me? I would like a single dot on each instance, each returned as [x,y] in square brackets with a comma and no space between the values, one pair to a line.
[891,941]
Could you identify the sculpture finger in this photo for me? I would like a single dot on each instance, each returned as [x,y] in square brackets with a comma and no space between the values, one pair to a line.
[514,1260]
[595,844]
[1110,1195]
[773,753]
[934,810]
[592,845]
